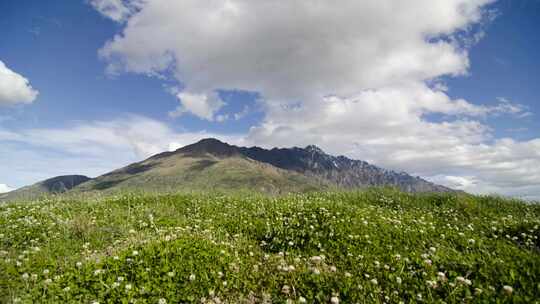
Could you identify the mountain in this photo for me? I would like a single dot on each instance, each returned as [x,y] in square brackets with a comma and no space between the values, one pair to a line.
[55,185]
[210,165]
[339,171]
[204,166]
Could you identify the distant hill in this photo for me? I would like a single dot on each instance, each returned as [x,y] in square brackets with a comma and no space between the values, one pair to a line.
[55,185]
[210,165]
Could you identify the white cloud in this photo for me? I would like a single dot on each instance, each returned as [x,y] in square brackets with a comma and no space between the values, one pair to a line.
[14,88]
[293,50]
[5,188]
[88,147]
[117,10]
[204,106]
[360,78]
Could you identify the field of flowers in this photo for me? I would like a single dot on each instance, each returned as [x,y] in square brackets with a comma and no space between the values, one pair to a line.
[365,247]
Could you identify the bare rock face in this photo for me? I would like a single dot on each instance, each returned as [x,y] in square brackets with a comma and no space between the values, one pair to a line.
[340,171]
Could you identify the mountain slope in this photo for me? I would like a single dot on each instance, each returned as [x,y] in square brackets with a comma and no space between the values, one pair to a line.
[339,171]
[55,185]
[210,165]
[204,166]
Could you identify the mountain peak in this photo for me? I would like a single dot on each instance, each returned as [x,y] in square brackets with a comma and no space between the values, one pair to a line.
[314,149]
[210,146]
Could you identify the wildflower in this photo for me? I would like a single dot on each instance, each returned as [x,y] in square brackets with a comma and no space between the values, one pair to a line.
[192,277]
[78,264]
[348,274]
[302,300]
[48,281]
[120,279]
[471,241]
[508,289]
[170,274]
[398,280]
[333,268]
[25,276]
[67,289]
[162,301]
[97,272]
[428,262]
[316,259]
[46,272]
[135,253]
[128,286]
[334,300]
[441,276]
[374,281]
[431,284]
[432,249]
[285,289]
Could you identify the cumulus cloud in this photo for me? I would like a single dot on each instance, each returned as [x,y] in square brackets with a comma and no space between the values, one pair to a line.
[5,188]
[361,78]
[204,106]
[14,88]
[117,10]
[88,147]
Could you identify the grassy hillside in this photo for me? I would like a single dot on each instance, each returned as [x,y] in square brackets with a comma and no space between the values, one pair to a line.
[366,247]
[49,187]
[201,172]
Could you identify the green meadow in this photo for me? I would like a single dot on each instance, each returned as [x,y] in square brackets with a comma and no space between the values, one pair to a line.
[375,246]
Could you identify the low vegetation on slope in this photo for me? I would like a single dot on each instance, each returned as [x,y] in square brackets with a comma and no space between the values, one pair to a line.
[364,247]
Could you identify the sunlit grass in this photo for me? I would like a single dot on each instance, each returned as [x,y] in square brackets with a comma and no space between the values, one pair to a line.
[377,246]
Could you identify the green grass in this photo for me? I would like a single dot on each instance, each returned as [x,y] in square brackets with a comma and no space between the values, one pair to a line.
[377,246]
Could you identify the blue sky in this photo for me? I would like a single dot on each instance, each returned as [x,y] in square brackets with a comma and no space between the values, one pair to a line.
[175,73]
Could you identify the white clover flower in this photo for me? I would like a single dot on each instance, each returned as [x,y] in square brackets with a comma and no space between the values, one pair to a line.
[334,300]
[398,280]
[46,271]
[333,268]
[192,277]
[135,253]
[48,281]
[316,259]
[115,284]
[120,279]
[285,289]
[162,301]
[508,289]
[25,276]
[170,274]
[78,264]
[302,300]
[441,276]
[471,241]
[128,286]
[432,249]
[374,281]
[67,289]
